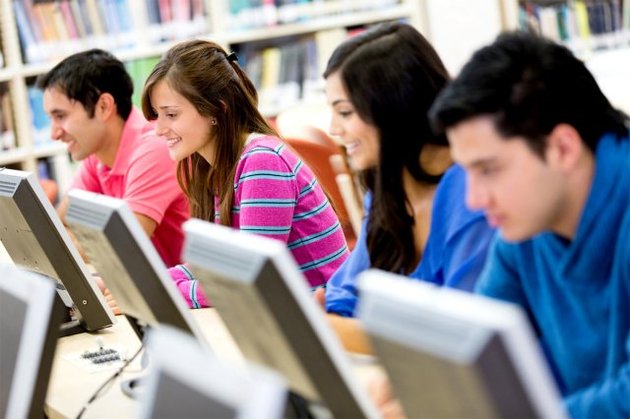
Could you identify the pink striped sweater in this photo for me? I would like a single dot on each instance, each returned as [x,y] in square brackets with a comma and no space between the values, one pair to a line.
[277,195]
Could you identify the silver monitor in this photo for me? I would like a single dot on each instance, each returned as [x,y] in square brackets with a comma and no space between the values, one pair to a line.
[30,316]
[454,354]
[36,240]
[124,256]
[264,300]
[194,384]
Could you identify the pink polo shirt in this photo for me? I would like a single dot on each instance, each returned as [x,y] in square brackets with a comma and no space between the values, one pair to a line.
[144,176]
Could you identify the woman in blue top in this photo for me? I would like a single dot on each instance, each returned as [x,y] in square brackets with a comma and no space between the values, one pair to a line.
[380,85]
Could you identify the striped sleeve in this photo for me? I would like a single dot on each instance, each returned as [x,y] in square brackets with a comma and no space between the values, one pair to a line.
[188,286]
[265,193]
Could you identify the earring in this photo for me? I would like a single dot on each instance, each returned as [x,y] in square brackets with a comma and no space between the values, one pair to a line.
[213,121]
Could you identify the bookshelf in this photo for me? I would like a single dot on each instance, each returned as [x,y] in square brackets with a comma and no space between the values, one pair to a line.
[597,31]
[35,35]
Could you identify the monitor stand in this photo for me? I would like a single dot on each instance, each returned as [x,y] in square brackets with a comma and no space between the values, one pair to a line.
[69,324]
[134,387]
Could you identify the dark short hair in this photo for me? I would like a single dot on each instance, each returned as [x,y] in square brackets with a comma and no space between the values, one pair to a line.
[528,84]
[86,75]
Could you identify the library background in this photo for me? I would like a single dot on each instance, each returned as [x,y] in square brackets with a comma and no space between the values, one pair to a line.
[283,45]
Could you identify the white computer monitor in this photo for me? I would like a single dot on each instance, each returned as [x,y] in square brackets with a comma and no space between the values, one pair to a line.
[30,316]
[129,264]
[193,383]
[36,240]
[265,303]
[449,353]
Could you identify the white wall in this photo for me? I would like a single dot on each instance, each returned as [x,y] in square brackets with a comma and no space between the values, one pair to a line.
[457,28]
[612,72]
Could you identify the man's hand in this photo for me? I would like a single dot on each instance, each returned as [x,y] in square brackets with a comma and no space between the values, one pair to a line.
[109,298]
[320,297]
[380,392]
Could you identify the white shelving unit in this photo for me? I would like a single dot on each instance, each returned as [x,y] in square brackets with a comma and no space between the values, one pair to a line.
[606,54]
[16,70]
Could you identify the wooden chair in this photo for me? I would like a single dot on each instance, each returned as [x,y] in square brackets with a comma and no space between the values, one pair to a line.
[350,193]
[316,150]
[51,189]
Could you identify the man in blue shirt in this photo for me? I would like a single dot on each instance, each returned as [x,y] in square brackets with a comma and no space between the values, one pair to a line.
[548,160]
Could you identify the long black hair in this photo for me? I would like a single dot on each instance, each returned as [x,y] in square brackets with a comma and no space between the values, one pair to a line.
[392,75]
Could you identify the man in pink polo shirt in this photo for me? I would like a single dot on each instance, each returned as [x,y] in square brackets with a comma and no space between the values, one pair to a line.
[88,97]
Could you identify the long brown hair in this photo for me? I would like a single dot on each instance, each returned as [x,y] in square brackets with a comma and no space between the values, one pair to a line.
[212,80]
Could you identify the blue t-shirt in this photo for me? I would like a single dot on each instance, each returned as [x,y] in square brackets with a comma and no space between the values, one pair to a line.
[577,293]
[454,255]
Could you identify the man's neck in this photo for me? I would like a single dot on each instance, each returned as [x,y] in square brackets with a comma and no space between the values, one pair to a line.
[111,144]
[579,187]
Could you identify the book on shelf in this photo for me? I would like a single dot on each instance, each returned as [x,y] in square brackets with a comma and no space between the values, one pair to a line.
[91,13]
[69,20]
[291,74]
[40,122]
[7,132]
[83,28]
[28,34]
[175,19]
[139,70]
[270,75]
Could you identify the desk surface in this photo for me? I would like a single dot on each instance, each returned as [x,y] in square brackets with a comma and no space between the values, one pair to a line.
[71,385]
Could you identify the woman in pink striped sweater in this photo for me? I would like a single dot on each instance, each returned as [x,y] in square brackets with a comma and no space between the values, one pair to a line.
[232,165]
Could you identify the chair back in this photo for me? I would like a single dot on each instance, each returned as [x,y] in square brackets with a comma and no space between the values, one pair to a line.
[316,151]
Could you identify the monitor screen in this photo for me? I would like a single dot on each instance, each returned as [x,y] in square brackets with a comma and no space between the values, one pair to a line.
[125,258]
[36,240]
[264,301]
[454,354]
[30,316]
[195,384]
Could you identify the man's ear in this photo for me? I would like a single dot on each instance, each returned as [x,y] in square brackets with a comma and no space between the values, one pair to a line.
[565,147]
[105,106]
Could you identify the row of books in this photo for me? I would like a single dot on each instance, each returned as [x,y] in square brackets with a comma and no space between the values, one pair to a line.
[291,70]
[246,14]
[54,29]
[583,25]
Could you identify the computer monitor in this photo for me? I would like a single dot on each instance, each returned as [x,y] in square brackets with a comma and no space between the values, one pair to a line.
[129,264]
[30,316]
[265,303]
[195,384]
[36,240]
[454,354]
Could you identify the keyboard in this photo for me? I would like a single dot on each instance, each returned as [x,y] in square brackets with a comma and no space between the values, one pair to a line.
[102,356]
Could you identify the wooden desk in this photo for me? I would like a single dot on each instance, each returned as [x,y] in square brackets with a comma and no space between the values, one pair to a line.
[71,386]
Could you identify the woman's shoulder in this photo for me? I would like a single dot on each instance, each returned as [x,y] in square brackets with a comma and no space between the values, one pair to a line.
[449,204]
[267,151]
[262,142]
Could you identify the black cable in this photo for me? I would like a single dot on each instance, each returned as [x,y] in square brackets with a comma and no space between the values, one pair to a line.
[107,382]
